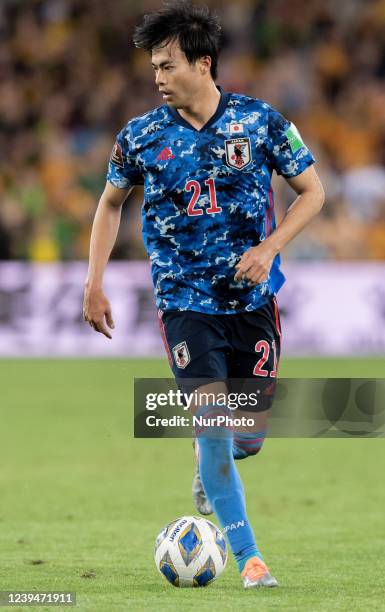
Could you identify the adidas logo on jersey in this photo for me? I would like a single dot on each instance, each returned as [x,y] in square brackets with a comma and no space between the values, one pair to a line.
[165,154]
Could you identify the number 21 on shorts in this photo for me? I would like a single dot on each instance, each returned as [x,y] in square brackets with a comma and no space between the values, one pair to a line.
[263,346]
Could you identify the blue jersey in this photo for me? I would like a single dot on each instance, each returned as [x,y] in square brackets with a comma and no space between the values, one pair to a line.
[208,198]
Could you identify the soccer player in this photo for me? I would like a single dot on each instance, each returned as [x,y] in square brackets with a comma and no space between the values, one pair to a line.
[206,158]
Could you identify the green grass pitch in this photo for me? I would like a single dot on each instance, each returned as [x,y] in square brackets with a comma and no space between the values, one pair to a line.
[81,501]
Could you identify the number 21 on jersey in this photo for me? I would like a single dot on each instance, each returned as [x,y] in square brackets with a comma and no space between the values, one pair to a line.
[193,209]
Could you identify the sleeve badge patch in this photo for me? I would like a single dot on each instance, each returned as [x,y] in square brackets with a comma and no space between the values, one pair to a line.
[294,138]
[117,155]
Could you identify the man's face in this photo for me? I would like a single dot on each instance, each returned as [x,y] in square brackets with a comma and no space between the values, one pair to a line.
[175,78]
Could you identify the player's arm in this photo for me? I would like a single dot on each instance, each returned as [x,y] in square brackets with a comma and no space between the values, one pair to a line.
[96,307]
[309,202]
[256,263]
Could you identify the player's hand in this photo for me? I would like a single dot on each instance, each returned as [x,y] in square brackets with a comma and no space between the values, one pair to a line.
[255,264]
[97,311]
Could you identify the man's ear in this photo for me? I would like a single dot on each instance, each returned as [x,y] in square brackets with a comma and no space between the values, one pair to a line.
[204,64]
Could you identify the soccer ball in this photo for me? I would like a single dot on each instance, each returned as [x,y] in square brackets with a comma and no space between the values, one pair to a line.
[190,552]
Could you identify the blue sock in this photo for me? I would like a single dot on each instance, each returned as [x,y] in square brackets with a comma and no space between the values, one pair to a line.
[246,444]
[223,486]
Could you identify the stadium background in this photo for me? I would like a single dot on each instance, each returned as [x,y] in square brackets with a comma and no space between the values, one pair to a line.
[76,513]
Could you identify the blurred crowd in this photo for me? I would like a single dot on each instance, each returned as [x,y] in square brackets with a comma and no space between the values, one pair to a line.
[70,78]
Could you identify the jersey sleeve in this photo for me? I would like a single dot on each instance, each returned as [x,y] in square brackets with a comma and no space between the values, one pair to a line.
[123,168]
[288,153]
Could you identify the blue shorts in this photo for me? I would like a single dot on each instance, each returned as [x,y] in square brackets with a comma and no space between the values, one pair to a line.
[236,348]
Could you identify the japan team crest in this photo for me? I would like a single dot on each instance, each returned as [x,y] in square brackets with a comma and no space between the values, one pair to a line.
[181,355]
[238,152]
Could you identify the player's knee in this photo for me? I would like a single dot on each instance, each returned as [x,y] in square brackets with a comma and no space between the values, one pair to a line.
[211,422]
[246,444]
[239,452]
[255,451]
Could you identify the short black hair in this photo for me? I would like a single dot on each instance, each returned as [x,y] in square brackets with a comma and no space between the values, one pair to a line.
[196,29]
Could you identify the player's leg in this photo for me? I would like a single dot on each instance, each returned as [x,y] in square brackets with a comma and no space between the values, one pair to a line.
[196,347]
[199,496]
[199,350]
[221,480]
[253,371]
[249,442]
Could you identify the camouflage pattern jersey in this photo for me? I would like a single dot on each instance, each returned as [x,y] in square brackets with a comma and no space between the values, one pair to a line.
[208,197]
